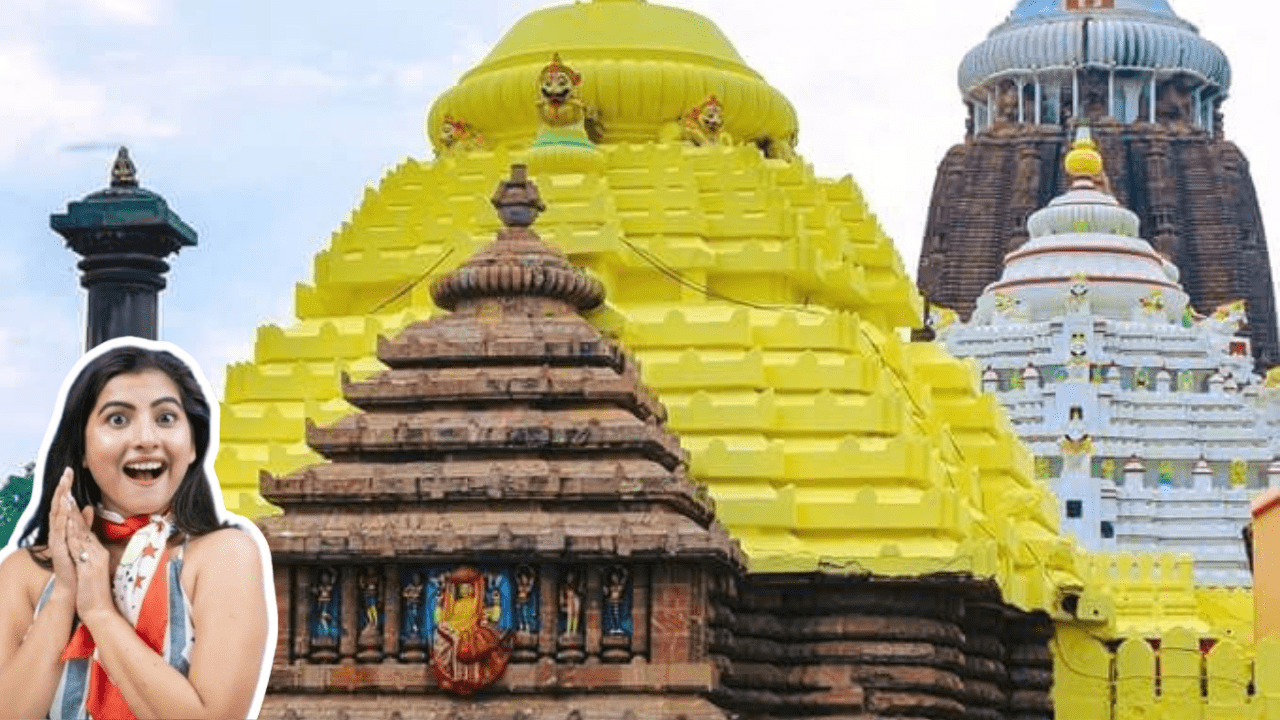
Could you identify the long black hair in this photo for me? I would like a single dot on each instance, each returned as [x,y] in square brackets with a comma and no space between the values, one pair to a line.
[193,507]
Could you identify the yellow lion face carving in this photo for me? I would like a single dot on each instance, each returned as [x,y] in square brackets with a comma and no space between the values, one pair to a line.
[557,82]
[710,116]
[451,131]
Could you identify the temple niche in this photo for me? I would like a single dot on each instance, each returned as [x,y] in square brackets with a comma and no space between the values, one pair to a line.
[1152,89]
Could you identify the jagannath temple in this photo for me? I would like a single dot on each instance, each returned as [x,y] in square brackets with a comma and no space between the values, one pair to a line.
[1147,421]
[1153,88]
[610,410]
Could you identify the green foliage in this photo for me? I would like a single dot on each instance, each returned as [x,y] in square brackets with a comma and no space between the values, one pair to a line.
[14,496]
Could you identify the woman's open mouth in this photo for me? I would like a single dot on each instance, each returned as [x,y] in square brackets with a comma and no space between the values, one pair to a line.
[145,471]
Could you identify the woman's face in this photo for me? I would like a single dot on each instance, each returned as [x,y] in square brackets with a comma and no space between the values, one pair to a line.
[138,442]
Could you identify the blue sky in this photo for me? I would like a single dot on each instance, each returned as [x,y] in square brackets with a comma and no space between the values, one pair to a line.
[262,122]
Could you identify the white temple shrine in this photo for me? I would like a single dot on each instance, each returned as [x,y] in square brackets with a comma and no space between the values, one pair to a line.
[1146,418]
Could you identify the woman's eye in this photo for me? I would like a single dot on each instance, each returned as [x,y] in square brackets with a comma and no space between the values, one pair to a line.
[167,418]
[117,419]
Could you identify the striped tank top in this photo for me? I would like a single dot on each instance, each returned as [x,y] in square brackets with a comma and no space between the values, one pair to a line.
[69,698]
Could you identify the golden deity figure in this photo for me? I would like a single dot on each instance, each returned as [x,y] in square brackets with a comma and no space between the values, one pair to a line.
[468,652]
[563,144]
[1152,304]
[558,102]
[703,125]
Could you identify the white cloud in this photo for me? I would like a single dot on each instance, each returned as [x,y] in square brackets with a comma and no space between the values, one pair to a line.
[55,110]
[130,12]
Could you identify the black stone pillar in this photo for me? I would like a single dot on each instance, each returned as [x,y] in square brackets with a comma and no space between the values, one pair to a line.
[124,233]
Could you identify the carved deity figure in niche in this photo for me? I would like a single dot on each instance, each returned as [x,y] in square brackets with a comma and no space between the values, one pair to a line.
[571,603]
[458,135]
[369,638]
[558,103]
[1141,379]
[468,651]
[325,629]
[526,621]
[411,618]
[1186,380]
[1239,473]
[527,600]
[570,642]
[617,601]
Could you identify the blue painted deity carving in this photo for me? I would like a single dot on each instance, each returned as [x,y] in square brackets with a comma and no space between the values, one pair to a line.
[412,617]
[370,615]
[617,601]
[327,599]
[526,600]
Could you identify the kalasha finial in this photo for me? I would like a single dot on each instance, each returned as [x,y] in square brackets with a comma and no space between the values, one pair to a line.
[123,172]
[517,199]
[1083,161]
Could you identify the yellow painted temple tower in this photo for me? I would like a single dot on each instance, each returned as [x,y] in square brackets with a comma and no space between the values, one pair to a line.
[763,303]
[767,310]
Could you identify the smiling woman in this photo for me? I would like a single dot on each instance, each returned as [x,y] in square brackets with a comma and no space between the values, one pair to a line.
[128,557]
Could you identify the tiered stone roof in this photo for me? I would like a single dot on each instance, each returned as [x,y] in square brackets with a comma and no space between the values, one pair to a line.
[514,401]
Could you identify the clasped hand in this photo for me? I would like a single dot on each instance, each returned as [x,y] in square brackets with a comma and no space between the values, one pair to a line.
[81,565]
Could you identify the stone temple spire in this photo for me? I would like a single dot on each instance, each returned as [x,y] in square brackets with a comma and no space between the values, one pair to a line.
[511,448]
[1153,89]
[518,264]
[124,233]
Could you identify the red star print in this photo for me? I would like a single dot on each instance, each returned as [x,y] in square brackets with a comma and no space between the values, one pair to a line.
[138,583]
[149,551]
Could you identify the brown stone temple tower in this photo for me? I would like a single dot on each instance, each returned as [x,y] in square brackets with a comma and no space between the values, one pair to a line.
[1152,88]
[507,528]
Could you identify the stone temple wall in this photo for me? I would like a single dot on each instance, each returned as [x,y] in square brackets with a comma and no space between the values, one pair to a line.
[1192,191]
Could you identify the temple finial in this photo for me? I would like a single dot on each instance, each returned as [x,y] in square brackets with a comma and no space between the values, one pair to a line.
[517,200]
[1084,164]
[123,172]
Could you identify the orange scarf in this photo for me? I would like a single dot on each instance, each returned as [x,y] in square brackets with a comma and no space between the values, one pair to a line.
[103,700]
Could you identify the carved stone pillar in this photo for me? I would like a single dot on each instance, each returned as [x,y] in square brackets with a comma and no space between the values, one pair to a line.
[593,618]
[640,610]
[349,623]
[283,582]
[548,610]
[303,576]
[391,608]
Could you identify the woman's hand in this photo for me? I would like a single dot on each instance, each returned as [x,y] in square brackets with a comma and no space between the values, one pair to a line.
[93,566]
[60,509]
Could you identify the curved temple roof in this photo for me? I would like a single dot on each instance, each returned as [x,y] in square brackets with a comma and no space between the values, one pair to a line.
[1134,34]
